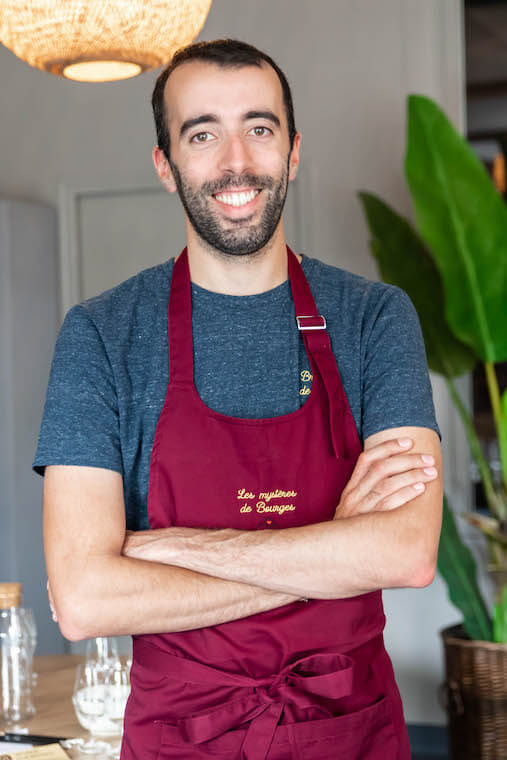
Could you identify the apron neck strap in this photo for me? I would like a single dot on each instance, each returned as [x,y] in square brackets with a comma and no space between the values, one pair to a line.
[181,349]
[311,324]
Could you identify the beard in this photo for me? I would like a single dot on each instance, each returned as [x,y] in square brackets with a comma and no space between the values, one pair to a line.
[240,238]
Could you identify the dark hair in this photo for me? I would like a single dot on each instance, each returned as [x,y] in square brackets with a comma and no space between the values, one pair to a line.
[225,53]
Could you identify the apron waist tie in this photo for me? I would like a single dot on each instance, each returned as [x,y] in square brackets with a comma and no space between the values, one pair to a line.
[326,675]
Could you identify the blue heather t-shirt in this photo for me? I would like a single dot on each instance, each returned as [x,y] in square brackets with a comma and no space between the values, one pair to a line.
[110,368]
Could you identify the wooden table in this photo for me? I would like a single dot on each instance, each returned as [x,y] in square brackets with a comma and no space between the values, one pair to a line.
[52,697]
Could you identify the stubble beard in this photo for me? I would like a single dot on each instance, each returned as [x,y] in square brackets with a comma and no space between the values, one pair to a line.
[241,239]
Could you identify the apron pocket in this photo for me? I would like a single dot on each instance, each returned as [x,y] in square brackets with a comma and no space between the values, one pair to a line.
[367,734]
[364,735]
[172,746]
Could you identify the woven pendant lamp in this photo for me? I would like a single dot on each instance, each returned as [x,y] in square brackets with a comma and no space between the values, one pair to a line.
[99,40]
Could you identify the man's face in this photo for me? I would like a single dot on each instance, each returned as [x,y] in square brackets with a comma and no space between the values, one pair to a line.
[230,153]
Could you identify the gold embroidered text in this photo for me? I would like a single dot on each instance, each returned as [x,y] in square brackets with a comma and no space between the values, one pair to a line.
[261,506]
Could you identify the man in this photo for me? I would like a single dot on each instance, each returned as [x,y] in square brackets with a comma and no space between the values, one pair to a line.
[279,500]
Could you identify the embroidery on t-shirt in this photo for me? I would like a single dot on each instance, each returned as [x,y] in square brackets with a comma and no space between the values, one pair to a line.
[306,378]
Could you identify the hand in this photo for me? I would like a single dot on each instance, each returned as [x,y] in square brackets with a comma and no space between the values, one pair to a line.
[51,603]
[385,477]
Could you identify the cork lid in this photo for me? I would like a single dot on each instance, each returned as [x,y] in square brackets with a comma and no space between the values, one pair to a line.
[10,595]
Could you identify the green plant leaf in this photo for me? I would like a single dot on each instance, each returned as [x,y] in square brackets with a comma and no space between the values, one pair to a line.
[463,220]
[500,619]
[404,260]
[457,567]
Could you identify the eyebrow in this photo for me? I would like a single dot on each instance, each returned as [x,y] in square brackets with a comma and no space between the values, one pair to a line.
[205,118]
[210,118]
[269,115]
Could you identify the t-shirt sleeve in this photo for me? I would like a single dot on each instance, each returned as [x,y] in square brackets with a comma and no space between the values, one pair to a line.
[80,423]
[396,385]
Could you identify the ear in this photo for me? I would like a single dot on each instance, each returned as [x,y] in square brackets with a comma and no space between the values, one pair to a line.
[294,157]
[163,169]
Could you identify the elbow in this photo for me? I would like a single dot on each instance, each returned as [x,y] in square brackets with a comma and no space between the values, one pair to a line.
[423,575]
[421,553]
[75,617]
[72,623]
[423,567]
[70,631]
[83,610]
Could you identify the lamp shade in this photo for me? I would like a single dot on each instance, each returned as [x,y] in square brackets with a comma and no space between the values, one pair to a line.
[99,40]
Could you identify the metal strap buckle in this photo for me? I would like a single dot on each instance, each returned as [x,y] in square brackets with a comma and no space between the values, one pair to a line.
[302,326]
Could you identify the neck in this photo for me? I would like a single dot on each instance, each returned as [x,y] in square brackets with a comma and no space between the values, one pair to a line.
[238,275]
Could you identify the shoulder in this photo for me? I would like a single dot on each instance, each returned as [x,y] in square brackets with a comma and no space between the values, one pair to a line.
[352,296]
[129,294]
[379,346]
[113,313]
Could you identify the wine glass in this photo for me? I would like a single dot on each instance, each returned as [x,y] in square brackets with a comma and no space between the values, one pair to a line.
[98,693]
[89,699]
[117,693]
[102,652]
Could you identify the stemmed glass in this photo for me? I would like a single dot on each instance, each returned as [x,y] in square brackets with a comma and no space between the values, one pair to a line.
[102,652]
[118,690]
[98,694]
[89,701]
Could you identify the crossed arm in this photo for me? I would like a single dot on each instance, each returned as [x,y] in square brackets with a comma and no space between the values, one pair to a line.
[385,534]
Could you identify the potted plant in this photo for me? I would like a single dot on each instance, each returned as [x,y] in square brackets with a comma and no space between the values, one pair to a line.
[453,265]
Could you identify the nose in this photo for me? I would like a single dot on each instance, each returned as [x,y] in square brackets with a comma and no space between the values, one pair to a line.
[235,156]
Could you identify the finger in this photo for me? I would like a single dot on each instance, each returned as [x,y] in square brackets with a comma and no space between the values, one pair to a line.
[397,482]
[51,605]
[380,451]
[373,488]
[373,484]
[382,469]
[377,503]
[53,611]
[401,497]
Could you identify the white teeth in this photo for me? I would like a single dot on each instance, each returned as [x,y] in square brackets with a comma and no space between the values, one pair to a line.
[237,199]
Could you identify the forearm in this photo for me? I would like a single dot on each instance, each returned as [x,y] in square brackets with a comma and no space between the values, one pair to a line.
[145,597]
[384,535]
[334,559]
[331,560]
[97,591]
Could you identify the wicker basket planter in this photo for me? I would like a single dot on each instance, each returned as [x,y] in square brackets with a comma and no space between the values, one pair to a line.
[475,695]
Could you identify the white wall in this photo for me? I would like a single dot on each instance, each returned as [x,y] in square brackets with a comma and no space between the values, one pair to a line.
[351,64]
[28,313]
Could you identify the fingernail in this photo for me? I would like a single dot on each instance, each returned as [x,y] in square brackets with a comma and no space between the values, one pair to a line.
[430,471]
[428,459]
[404,442]
[419,486]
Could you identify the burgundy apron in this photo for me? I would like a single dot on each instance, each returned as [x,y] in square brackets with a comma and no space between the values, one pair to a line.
[309,679]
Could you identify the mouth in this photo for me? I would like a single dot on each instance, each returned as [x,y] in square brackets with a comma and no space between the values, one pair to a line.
[237,198]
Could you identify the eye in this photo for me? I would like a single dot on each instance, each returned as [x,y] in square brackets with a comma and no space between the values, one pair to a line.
[260,131]
[201,137]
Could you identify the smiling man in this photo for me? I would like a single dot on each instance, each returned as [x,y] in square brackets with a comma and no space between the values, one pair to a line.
[240,453]
[252,219]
